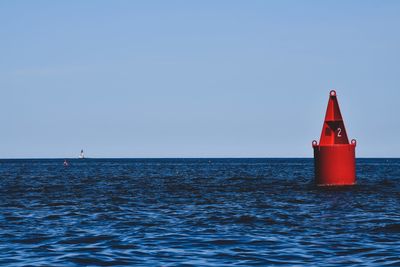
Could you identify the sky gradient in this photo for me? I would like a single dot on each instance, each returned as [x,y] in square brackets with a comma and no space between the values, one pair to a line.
[196,78]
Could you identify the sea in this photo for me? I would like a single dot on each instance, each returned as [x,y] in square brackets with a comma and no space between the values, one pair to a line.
[196,212]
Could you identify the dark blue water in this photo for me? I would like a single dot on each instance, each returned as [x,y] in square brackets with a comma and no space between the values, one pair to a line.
[217,212]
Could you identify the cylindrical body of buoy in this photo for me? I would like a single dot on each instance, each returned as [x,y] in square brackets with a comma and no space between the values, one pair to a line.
[335,164]
[334,156]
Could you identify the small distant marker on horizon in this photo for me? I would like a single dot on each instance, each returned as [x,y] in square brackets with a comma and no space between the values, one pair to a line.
[81,155]
[65,163]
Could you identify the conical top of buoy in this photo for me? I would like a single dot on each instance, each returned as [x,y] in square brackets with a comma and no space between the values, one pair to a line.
[333,130]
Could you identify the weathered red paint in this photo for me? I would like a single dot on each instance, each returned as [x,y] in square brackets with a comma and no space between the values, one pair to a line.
[334,156]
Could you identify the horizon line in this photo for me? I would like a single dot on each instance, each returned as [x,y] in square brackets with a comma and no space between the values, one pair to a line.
[230,157]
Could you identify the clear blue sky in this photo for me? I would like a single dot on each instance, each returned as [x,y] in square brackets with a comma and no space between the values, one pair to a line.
[196,78]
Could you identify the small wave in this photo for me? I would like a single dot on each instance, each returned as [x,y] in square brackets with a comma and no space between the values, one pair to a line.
[224,242]
[246,219]
[389,228]
[86,240]
[32,240]
[92,261]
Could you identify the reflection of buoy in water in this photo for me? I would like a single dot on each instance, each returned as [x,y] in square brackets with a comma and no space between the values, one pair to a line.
[66,163]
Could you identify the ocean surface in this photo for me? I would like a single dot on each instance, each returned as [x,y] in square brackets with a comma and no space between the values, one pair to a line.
[196,212]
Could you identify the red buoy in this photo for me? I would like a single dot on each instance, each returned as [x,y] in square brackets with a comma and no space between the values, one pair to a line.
[334,156]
